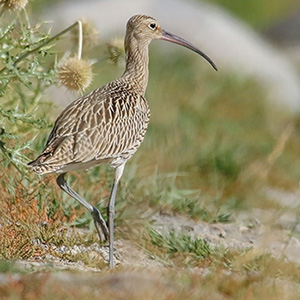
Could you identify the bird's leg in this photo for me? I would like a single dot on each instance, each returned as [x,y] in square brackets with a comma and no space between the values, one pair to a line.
[111,213]
[98,219]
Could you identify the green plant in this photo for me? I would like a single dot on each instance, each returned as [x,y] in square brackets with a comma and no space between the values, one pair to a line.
[30,209]
[185,250]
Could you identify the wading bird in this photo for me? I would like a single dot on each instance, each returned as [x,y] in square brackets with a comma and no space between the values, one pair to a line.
[109,124]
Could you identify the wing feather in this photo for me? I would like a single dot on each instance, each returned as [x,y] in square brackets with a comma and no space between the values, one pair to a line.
[107,124]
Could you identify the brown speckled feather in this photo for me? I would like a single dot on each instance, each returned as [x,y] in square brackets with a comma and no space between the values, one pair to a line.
[107,125]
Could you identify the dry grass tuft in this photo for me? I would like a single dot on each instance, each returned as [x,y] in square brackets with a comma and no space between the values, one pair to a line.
[26,225]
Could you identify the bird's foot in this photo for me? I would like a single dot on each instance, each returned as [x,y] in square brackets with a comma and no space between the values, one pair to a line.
[100,225]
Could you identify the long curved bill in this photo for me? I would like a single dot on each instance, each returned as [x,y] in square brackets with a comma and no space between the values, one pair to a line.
[170,37]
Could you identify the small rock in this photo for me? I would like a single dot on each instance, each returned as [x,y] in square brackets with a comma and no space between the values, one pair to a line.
[244,228]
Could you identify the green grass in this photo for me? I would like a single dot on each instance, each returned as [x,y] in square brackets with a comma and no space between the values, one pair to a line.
[181,250]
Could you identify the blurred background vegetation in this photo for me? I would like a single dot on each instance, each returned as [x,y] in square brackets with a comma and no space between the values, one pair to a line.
[259,14]
[213,146]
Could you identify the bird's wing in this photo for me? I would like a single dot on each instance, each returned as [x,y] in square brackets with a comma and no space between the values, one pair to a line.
[105,124]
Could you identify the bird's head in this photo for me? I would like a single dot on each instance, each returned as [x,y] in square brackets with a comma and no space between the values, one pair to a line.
[144,29]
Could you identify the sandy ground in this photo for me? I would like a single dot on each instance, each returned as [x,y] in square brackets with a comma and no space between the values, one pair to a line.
[275,232]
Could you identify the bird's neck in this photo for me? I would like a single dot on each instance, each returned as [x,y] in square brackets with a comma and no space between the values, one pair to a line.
[136,71]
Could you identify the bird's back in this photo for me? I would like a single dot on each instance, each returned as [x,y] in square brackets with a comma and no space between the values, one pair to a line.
[107,125]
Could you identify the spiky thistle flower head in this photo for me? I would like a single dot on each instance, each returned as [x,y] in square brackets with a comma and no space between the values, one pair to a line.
[13,4]
[90,34]
[116,50]
[75,74]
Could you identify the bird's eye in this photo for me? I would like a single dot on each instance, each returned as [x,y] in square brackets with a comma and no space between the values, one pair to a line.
[152,26]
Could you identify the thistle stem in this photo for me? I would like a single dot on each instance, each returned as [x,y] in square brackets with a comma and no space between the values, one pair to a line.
[29,52]
[79,39]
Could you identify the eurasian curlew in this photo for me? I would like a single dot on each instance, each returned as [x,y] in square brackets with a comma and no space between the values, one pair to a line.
[109,124]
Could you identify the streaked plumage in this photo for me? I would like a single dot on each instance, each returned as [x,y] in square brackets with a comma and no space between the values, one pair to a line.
[106,126]
[109,124]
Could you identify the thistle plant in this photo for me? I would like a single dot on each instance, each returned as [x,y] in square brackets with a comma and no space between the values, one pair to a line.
[13,4]
[28,66]
[23,79]
[116,50]
[90,35]
[75,74]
